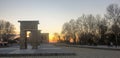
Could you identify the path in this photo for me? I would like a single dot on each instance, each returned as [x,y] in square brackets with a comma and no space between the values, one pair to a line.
[80,52]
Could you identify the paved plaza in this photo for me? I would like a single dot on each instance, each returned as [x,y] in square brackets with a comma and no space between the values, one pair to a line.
[49,48]
[43,49]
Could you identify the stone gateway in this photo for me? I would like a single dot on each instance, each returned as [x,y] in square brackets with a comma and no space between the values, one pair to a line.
[36,36]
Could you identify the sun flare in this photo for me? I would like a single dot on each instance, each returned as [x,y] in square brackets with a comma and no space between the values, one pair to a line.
[51,39]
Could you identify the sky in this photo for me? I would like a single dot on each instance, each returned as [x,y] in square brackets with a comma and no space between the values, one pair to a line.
[52,14]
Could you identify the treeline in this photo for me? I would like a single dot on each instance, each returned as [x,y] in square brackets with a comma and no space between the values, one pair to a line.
[94,30]
[7,30]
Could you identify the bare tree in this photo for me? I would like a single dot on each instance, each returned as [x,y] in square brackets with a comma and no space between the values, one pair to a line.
[113,14]
[66,31]
[92,29]
[6,29]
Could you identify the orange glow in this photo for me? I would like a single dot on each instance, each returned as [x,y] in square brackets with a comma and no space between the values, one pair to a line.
[71,40]
[52,39]
[17,32]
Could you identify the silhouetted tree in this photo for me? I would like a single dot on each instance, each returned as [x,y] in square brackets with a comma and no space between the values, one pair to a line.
[66,31]
[6,30]
[89,29]
[113,14]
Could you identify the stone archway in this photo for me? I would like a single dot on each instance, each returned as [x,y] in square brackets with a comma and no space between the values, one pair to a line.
[28,26]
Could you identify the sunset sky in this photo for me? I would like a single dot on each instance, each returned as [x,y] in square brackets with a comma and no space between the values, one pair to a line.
[50,13]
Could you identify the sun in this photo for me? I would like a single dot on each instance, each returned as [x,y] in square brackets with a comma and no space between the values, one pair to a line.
[51,38]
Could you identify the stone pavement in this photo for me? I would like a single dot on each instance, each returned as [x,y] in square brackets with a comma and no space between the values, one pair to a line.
[96,47]
[80,53]
[92,47]
[43,50]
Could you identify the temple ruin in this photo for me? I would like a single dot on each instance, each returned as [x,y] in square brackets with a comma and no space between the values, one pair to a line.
[36,37]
